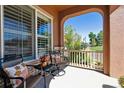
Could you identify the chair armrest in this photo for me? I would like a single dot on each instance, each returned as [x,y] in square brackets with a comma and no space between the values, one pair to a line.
[30,65]
[37,66]
[21,78]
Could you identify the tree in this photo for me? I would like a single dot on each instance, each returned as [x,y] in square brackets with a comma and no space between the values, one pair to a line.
[100,38]
[77,41]
[93,40]
[72,40]
[84,45]
[68,37]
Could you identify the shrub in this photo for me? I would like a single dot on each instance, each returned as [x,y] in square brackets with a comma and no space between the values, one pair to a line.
[121,81]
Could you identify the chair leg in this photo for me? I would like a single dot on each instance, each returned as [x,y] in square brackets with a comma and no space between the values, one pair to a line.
[44,79]
[24,83]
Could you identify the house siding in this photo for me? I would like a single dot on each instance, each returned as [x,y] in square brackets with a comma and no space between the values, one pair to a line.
[117,42]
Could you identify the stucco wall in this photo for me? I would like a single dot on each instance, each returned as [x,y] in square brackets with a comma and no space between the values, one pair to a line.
[117,42]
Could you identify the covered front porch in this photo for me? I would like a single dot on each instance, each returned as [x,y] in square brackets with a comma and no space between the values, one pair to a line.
[84,70]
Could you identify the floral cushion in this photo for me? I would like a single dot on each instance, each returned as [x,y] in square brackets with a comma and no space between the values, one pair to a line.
[58,58]
[19,70]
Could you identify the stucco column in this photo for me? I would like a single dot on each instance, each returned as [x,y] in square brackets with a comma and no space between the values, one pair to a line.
[106,46]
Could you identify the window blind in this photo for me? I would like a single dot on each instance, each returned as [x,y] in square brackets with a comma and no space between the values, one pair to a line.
[19,31]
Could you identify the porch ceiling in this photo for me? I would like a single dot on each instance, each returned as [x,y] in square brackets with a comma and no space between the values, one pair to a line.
[58,7]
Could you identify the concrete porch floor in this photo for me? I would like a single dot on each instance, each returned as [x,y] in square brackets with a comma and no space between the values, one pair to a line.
[83,78]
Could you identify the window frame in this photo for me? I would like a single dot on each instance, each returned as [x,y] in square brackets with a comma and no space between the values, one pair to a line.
[44,13]
[2,33]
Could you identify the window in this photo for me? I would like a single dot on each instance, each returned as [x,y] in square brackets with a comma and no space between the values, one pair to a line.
[19,31]
[0,30]
[44,34]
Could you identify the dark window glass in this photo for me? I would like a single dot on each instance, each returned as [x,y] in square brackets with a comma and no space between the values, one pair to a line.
[19,31]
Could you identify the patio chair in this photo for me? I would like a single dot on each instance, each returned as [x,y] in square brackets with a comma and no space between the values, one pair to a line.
[5,80]
[49,65]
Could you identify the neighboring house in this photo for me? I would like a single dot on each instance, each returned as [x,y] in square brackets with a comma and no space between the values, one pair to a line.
[32,31]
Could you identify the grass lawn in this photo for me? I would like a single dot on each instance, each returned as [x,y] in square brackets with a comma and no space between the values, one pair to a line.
[96,48]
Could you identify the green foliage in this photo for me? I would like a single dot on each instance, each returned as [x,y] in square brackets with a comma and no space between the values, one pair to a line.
[97,48]
[84,45]
[100,38]
[93,40]
[68,37]
[77,41]
[96,40]
[72,39]
[121,81]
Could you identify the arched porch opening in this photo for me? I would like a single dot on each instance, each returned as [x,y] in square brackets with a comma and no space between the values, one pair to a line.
[104,12]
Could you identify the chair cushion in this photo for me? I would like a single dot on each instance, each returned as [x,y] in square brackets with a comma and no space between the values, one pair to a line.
[44,60]
[58,58]
[19,70]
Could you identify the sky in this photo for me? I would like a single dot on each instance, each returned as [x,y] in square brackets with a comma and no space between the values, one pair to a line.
[86,23]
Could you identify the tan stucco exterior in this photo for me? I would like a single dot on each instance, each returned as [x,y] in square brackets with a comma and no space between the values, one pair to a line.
[116,42]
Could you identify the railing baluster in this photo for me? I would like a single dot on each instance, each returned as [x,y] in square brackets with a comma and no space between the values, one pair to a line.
[79,59]
[86,58]
[73,57]
[93,59]
[91,63]
[76,58]
[82,58]
[98,60]
[89,59]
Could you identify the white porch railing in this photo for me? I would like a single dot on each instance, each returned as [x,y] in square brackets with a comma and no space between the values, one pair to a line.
[85,59]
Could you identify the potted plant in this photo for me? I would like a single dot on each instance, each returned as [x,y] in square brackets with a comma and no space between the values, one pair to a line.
[121,81]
